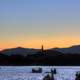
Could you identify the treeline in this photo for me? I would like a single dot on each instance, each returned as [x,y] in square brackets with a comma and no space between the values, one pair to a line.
[47,57]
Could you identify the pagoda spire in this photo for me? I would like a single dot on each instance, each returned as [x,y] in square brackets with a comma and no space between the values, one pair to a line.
[42,48]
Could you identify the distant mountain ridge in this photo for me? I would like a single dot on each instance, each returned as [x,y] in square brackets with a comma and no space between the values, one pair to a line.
[55,56]
[30,51]
[19,51]
[72,49]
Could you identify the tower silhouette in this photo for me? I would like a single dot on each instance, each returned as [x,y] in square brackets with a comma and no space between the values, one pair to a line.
[42,48]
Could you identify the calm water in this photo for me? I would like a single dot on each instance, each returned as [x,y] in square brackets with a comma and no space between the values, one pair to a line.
[24,72]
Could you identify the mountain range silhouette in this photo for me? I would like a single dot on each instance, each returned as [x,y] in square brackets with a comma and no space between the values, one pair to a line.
[20,51]
[28,56]
[72,49]
[30,51]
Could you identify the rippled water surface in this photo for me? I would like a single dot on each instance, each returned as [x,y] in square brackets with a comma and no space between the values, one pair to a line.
[24,72]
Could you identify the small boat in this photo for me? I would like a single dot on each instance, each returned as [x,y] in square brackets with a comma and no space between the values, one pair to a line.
[37,70]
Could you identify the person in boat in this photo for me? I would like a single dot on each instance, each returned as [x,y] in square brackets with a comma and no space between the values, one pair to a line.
[53,71]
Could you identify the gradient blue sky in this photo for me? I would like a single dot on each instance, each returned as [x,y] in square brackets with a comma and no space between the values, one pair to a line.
[30,23]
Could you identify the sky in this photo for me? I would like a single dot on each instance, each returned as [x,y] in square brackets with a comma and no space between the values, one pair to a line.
[32,23]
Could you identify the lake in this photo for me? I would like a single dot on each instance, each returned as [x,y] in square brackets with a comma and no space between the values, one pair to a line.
[24,72]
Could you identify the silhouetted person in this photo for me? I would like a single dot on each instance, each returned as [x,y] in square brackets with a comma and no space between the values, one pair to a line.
[77,76]
[47,77]
[54,71]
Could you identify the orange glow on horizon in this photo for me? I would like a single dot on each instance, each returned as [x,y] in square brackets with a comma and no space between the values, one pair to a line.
[36,43]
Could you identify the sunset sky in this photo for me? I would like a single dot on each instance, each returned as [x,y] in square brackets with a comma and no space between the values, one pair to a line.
[31,23]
